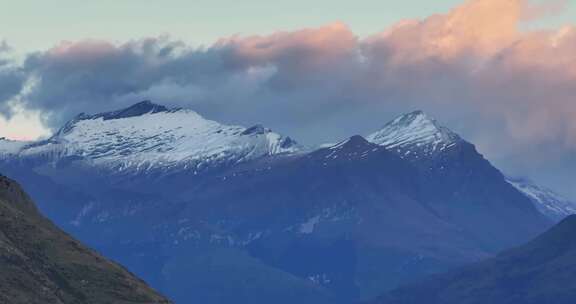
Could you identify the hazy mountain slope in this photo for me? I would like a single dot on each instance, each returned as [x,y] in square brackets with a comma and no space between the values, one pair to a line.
[41,264]
[230,275]
[359,219]
[549,203]
[542,271]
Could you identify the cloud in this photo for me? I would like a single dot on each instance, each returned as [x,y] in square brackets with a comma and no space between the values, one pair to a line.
[239,76]
[22,124]
[509,89]
[12,79]
[476,28]
[96,75]
[544,9]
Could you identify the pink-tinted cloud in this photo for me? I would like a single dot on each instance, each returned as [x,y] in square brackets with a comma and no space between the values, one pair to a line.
[479,28]
[475,56]
[526,78]
[314,47]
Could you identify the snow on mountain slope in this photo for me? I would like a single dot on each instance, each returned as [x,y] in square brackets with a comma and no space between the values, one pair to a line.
[147,135]
[355,147]
[415,135]
[10,147]
[549,203]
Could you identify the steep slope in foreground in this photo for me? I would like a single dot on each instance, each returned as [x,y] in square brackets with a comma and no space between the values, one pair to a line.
[41,264]
[542,271]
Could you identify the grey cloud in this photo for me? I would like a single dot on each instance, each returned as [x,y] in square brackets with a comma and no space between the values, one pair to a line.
[12,79]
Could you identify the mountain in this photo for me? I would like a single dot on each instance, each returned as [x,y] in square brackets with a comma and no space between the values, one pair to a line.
[421,139]
[42,264]
[460,184]
[415,136]
[542,271]
[215,214]
[355,218]
[549,203]
[127,152]
[147,136]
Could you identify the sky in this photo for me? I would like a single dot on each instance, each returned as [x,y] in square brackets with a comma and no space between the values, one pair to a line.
[36,25]
[502,73]
[198,22]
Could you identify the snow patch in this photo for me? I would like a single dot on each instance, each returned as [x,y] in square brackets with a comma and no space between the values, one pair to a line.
[415,135]
[308,226]
[165,138]
[549,203]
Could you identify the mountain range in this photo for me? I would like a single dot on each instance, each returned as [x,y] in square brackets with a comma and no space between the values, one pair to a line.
[211,213]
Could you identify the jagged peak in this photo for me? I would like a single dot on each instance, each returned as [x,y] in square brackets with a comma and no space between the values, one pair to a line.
[415,131]
[257,130]
[353,142]
[355,148]
[137,109]
[146,135]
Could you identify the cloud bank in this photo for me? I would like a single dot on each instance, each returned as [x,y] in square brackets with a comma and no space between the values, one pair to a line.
[12,78]
[510,90]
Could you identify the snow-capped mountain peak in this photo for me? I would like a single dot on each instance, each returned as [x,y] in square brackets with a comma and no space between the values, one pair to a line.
[135,110]
[147,135]
[415,134]
[138,109]
[354,143]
